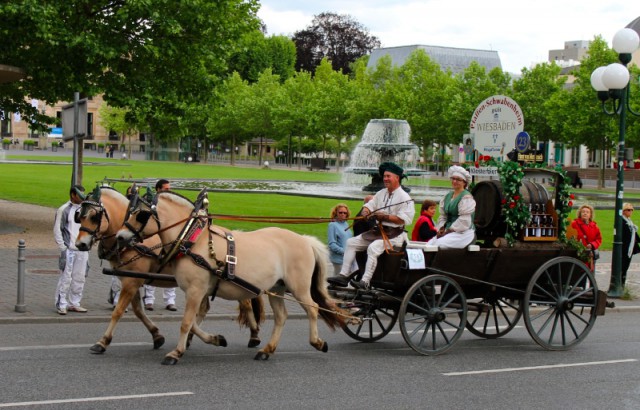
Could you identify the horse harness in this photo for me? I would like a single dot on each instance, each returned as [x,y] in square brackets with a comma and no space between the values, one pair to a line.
[182,246]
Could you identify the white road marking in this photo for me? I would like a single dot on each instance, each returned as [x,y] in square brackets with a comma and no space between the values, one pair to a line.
[93,399]
[52,347]
[551,366]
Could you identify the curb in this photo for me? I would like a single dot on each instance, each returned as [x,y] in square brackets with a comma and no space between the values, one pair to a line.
[128,319]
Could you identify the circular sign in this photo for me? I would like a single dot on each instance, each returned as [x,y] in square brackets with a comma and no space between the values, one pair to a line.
[494,124]
[523,140]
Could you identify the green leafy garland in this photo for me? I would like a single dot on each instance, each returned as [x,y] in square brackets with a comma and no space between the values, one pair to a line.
[516,213]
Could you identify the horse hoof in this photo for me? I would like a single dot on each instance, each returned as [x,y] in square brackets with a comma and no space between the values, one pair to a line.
[261,356]
[254,342]
[158,342]
[325,347]
[97,349]
[222,342]
[169,361]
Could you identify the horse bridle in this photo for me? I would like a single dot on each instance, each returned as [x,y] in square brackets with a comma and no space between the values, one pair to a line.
[142,215]
[100,211]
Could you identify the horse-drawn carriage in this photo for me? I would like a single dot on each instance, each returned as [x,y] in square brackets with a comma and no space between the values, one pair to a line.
[485,288]
[434,294]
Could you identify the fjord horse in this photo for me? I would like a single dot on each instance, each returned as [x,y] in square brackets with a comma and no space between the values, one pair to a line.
[267,259]
[101,216]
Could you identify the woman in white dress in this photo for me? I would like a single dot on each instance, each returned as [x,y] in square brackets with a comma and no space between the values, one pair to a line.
[455,222]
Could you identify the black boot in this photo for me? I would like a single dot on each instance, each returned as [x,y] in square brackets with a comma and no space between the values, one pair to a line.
[339,280]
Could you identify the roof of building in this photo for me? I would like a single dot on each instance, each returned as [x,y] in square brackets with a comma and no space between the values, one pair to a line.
[449,58]
[635,24]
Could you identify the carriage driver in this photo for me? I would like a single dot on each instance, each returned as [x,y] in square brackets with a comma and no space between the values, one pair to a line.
[391,206]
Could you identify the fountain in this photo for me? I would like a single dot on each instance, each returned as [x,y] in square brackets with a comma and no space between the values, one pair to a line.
[383,140]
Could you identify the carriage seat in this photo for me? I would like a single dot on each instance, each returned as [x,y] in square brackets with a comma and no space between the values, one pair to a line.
[472,247]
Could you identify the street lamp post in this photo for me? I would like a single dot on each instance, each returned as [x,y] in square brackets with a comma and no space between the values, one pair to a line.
[612,82]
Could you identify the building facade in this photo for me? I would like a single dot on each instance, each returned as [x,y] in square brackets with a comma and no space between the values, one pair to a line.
[14,128]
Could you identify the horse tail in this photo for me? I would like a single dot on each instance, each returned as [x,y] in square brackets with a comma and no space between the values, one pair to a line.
[253,306]
[329,310]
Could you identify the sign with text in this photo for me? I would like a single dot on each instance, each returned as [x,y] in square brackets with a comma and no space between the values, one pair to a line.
[68,119]
[536,156]
[483,171]
[495,123]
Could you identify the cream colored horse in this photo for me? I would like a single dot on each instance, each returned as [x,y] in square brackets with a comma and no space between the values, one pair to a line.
[101,216]
[269,259]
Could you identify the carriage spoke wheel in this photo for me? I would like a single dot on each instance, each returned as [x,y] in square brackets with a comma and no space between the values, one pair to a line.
[377,320]
[433,314]
[560,303]
[493,316]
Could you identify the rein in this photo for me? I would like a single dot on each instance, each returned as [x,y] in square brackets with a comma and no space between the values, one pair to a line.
[271,219]
[353,319]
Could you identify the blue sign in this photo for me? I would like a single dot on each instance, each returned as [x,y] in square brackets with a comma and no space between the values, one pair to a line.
[522,141]
[56,131]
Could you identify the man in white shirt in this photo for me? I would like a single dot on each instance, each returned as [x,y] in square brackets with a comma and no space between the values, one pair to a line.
[394,208]
[73,264]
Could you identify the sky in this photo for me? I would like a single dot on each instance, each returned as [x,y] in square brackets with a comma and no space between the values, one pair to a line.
[521,31]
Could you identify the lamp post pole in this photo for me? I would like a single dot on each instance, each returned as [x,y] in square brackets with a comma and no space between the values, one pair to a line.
[615,289]
[613,82]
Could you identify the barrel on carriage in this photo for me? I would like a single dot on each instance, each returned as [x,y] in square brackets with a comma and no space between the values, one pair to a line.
[487,287]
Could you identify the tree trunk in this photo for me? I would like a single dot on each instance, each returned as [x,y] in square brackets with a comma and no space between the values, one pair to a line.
[299,152]
[601,170]
[233,151]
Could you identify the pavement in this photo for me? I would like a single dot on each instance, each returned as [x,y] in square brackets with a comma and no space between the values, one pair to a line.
[37,304]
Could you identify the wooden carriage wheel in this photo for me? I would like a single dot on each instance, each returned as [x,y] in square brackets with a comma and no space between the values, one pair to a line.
[493,316]
[560,303]
[377,320]
[433,314]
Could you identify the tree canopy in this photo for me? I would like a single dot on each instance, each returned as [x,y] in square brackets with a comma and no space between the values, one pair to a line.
[339,38]
[155,57]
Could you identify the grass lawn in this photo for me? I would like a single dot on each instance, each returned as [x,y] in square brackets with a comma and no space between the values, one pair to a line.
[47,185]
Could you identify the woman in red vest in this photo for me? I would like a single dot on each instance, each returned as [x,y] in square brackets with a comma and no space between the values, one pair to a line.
[588,231]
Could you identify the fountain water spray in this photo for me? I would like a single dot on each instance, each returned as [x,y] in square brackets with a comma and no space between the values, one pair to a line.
[383,140]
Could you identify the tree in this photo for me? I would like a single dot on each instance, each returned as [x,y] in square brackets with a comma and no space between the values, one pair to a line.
[226,119]
[338,38]
[155,57]
[531,91]
[419,95]
[115,119]
[258,120]
[576,116]
[257,53]
[291,111]
[469,88]
[329,116]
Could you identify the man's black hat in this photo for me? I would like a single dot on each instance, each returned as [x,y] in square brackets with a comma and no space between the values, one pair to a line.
[391,167]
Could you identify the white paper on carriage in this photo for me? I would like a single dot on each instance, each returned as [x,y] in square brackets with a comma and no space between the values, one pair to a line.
[416,258]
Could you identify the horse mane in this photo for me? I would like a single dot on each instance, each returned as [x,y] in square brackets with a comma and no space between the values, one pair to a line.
[177,198]
[112,193]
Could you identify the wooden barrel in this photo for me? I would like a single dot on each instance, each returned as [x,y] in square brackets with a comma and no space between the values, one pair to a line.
[488,195]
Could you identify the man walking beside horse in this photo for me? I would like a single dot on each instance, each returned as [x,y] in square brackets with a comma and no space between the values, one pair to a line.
[393,208]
